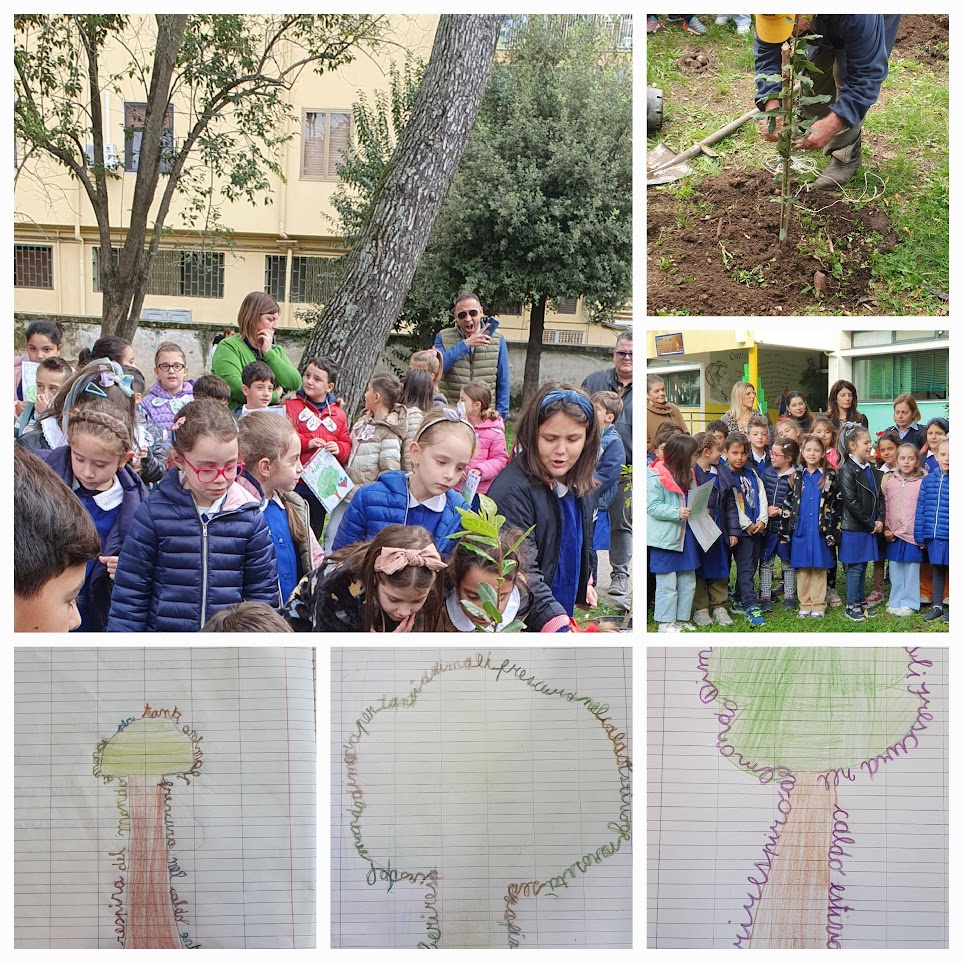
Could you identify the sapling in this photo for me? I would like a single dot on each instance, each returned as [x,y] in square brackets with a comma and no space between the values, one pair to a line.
[796,94]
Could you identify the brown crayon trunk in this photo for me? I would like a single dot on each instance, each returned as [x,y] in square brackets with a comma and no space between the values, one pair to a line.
[150,914]
[792,911]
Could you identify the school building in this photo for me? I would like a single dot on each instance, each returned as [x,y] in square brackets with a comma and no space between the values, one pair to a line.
[700,367]
[286,248]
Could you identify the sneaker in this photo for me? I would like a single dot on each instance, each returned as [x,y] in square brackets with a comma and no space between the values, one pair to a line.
[765,605]
[804,613]
[832,597]
[936,612]
[946,613]
[868,611]
[874,598]
[892,610]
[694,25]
[817,614]
[776,588]
[790,603]
[702,618]
[652,23]
[619,585]
[742,31]
[855,614]
[925,600]
[669,627]
[721,20]
[721,616]
[687,627]
[755,616]
[738,608]
[904,610]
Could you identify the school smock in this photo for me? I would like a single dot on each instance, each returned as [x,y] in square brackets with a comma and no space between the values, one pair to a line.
[716,562]
[930,465]
[284,549]
[662,560]
[808,548]
[859,547]
[565,582]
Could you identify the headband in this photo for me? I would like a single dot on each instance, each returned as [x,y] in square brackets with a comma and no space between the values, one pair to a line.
[105,374]
[456,414]
[573,398]
[392,560]
[942,422]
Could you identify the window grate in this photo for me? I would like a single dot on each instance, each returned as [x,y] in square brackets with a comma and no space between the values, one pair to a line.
[558,336]
[189,274]
[274,276]
[314,279]
[32,266]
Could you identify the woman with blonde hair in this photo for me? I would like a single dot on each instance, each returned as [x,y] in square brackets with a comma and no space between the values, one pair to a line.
[257,319]
[742,406]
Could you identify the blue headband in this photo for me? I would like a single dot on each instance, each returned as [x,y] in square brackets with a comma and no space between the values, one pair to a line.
[573,398]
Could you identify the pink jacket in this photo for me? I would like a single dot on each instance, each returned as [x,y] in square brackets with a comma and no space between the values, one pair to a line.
[491,455]
[901,495]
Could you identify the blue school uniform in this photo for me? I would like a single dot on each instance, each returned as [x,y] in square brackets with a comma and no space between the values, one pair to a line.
[663,560]
[860,546]
[902,551]
[716,562]
[284,548]
[565,582]
[808,548]
[777,488]
[930,465]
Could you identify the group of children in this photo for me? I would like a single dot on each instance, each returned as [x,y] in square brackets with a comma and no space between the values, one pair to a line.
[813,497]
[226,535]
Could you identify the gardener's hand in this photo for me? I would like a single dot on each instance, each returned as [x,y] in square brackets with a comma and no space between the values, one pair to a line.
[821,133]
[764,124]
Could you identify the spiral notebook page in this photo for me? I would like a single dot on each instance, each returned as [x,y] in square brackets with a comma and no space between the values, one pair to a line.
[481,798]
[164,798]
[797,797]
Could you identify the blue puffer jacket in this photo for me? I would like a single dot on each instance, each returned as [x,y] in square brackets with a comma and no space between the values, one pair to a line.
[174,573]
[384,502]
[98,582]
[933,508]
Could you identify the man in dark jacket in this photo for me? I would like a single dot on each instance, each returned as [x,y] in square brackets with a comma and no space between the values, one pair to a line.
[619,379]
[853,55]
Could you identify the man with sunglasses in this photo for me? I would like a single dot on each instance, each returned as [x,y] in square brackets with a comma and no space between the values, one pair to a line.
[470,350]
[618,378]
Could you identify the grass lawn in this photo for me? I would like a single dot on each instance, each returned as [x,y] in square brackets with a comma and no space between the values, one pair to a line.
[785,620]
[905,157]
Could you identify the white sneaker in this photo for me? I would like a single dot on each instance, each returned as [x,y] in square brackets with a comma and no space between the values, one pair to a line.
[687,627]
[721,615]
[669,627]
[890,610]
[701,617]
[905,610]
[804,614]
[742,31]
[817,614]
[721,20]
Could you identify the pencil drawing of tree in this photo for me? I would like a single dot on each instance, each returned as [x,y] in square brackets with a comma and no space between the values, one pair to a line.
[803,719]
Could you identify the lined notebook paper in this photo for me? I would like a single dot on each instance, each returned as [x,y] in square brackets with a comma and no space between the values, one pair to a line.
[165,797]
[797,797]
[481,799]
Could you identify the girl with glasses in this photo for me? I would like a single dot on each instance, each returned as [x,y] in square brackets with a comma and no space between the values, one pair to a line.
[171,391]
[200,542]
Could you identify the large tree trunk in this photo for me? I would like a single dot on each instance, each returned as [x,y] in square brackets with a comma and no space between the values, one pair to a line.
[354,326]
[533,353]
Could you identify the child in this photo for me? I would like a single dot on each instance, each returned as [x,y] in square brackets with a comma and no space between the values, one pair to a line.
[110,346]
[440,454]
[863,516]
[887,444]
[247,617]
[712,575]
[210,387]
[608,407]
[200,542]
[257,386]
[170,392]
[94,466]
[51,377]
[810,525]
[430,360]
[719,429]
[788,429]
[901,492]
[663,433]
[750,498]
[675,551]
[546,484]
[271,451]
[491,455]
[778,479]
[389,584]
[417,396]
[936,428]
[528,600]
[828,434]
[151,451]
[906,416]
[798,410]
[53,542]
[933,527]
[758,432]
[44,340]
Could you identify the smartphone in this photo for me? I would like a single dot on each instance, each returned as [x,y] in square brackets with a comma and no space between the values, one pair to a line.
[492,325]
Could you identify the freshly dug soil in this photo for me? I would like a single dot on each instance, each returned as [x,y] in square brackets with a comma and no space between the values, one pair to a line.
[694,278]
[919,34]
[694,61]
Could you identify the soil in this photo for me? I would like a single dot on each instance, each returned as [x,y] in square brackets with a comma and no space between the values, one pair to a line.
[694,61]
[919,35]
[740,216]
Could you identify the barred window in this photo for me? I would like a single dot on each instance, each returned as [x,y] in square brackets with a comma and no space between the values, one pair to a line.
[32,266]
[189,274]
[274,276]
[325,140]
[134,117]
[314,279]
[568,306]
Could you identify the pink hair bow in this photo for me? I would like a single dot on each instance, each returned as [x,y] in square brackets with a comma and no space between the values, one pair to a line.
[392,560]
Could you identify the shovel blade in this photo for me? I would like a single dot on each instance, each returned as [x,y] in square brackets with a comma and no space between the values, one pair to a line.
[660,169]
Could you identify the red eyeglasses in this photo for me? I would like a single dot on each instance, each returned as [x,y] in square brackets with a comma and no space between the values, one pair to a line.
[207,475]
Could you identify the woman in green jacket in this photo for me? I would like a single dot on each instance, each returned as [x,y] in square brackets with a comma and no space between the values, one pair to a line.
[257,320]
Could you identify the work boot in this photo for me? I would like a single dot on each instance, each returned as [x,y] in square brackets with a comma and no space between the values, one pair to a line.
[845,162]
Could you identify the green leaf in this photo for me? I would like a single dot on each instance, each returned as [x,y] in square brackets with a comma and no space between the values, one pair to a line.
[516,625]
[514,547]
[493,613]
[473,522]
[508,566]
[474,610]
[487,594]
[487,506]
[816,99]
[477,550]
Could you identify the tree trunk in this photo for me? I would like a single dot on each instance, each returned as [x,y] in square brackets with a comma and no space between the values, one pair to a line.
[533,353]
[354,326]
[795,900]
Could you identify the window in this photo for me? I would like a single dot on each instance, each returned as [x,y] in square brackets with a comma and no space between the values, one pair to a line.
[32,266]
[189,274]
[922,374]
[868,339]
[313,279]
[134,115]
[274,276]
[326,139]
[568,306]
[683,388]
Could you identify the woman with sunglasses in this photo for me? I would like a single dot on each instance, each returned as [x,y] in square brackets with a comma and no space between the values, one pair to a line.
[199,543]
[472,349]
